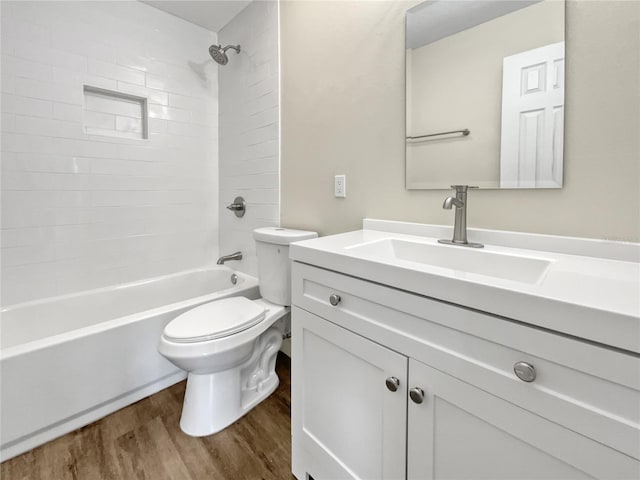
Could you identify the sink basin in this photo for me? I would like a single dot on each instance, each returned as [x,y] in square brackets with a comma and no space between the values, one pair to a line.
[481,262]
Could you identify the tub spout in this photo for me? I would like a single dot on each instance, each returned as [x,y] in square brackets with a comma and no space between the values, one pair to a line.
[226,258]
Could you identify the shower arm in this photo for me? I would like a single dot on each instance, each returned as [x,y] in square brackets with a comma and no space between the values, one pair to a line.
[235,47]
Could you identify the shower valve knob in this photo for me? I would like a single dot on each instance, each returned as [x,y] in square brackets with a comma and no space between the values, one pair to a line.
[239,207]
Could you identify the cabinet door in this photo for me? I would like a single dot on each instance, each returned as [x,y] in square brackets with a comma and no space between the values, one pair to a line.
[462,432]
[346,423]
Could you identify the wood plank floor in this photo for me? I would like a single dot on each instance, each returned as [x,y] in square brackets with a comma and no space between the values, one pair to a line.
[144,441]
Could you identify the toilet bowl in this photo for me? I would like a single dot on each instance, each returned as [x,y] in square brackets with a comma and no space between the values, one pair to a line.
[229,346]
[230,369]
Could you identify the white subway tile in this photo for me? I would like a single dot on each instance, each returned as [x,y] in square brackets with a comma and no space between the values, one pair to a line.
[17,237]
[115,72]
[76,80]
[48,127]
[129,124]
[260,135]
[16,33]
[157,125]
[262,103]
[249,144]
[186,103]
[262,119]
[95,134]
[99,120]
[7,83]
[166,84]
[8,122]
[93,209]
[104,104]
[20,67]
[137,62]
[47,91]
[39,52]
[154,96]
[76,44]
[26,106]
[169,113]
[268,149]
[70,113]
[31,162]
[147,154]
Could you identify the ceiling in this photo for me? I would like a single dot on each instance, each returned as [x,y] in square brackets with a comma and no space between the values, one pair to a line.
[210,14]
[432,20]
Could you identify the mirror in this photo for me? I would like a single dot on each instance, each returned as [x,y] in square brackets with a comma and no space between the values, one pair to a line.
[485,94]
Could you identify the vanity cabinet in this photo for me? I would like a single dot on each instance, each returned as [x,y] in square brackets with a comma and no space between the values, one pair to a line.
[391,385]
[347,415]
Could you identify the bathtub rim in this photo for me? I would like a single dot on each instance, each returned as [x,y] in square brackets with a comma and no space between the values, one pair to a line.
[249,283]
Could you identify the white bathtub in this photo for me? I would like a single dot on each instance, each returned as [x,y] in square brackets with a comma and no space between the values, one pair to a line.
[68,361]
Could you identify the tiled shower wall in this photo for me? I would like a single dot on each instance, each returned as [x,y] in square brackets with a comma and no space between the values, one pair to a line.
[249,129]
[80,210]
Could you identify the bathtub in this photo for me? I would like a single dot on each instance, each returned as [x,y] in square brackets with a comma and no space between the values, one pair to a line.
[70,360]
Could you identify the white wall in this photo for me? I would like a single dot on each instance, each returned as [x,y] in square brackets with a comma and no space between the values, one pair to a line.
[81,211]
[249,129]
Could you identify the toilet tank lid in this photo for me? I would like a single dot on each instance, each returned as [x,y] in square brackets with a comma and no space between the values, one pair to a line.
[281,236]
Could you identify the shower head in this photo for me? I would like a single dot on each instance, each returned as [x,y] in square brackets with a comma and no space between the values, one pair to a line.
[218,53]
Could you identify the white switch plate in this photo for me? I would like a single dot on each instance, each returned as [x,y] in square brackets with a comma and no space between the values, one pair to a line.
[340,186]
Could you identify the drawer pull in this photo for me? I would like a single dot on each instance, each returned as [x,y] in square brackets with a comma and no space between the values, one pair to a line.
[392,383]
[416,394]
[334,299]
[525,371]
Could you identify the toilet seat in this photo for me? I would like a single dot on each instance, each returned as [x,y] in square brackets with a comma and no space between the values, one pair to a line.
[218,319]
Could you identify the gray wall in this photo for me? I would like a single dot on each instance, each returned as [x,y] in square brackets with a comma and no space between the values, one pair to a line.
[342,70]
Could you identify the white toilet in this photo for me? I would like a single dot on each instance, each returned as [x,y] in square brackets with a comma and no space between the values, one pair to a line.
[229,346]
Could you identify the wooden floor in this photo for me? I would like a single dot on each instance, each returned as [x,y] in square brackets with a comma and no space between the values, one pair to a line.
[144,441]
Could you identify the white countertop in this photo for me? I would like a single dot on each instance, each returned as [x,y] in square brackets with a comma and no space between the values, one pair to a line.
[594,295]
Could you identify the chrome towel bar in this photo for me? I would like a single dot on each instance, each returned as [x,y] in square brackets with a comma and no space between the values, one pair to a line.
[464,133]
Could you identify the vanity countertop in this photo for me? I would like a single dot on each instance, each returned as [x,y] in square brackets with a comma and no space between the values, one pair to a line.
[589,288]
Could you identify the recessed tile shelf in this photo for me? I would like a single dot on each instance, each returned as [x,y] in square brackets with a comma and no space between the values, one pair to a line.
[114,114]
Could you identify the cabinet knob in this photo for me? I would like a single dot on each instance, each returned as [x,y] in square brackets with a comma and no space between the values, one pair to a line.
[334,299]
[392,383]
[416,394]
[525,371]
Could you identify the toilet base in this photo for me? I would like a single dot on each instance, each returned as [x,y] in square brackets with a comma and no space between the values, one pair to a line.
[214,401]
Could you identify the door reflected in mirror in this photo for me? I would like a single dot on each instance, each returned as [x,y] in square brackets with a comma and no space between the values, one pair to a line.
[485,94]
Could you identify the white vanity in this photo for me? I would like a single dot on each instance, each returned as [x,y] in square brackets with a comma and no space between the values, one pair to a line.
[424,361]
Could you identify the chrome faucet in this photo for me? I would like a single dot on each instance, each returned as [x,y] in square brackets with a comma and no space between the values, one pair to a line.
[226,258]
[460,222]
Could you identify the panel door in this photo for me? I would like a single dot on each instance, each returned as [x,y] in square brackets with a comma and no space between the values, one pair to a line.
[462,432]
[531,150]
[346,423]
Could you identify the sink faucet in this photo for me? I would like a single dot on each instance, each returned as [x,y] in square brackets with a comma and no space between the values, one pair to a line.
[460,223]
[226,258]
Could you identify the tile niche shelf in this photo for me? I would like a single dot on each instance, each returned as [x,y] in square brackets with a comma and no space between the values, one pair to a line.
[114,114]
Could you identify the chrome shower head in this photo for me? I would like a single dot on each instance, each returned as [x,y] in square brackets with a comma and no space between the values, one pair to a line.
[218,53]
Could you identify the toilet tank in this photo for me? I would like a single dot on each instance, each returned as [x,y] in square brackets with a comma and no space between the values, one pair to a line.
[274,266]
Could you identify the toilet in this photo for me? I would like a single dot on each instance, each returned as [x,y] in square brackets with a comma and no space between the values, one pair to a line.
[229,346]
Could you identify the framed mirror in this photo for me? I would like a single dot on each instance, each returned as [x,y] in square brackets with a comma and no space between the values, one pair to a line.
[485,94]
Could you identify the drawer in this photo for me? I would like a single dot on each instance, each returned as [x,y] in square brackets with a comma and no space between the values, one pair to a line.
[593,390]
